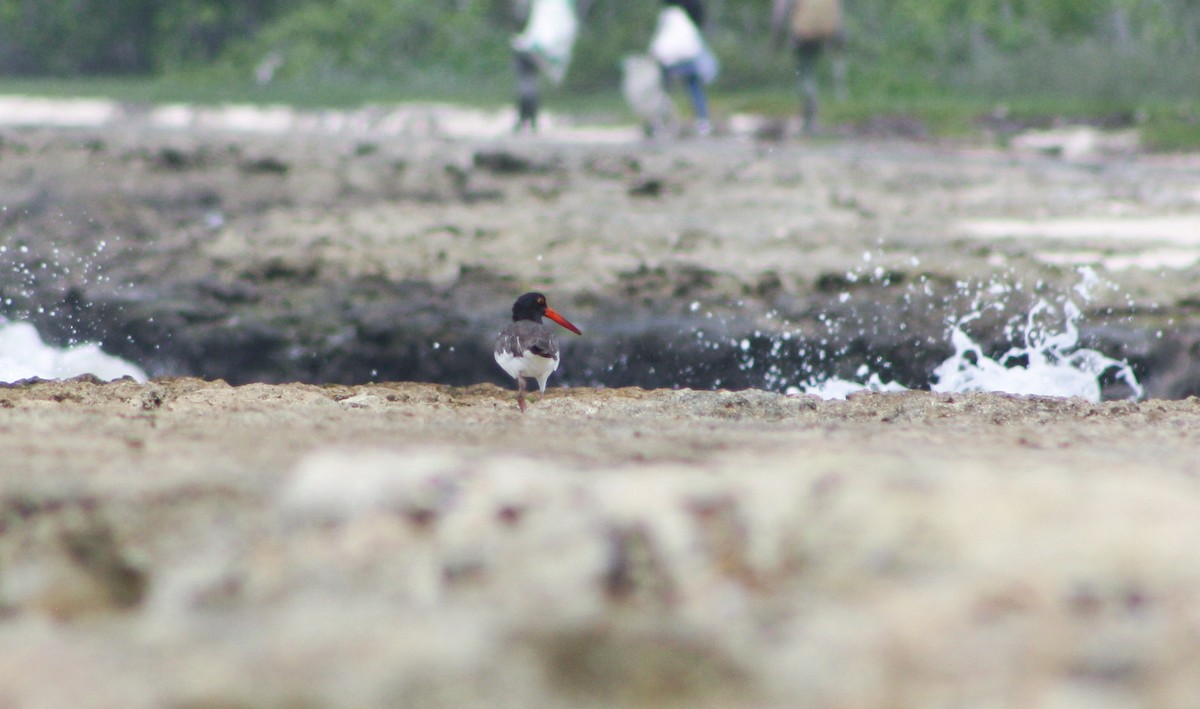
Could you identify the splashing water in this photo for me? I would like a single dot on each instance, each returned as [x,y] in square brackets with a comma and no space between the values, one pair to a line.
[23,354]
[1048,364]
[27,270]
[836,388]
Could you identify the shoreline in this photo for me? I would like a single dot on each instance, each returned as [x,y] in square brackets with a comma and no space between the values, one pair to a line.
[358,260]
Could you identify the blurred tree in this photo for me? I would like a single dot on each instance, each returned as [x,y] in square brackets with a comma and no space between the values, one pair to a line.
[192,32]
[383,39]
[895,46]
[76,37]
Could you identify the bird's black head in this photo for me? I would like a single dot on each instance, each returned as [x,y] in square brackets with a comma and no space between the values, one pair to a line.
[531,306]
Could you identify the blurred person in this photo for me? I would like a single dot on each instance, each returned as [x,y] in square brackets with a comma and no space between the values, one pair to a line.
[681,52]
[543,48]
[812,26]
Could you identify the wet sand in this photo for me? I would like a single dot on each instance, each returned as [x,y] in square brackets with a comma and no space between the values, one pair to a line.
[190,544]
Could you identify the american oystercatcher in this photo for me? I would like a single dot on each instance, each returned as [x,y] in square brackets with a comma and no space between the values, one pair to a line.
[527,347]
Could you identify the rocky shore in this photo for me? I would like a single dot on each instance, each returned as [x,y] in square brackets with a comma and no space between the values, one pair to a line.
[358,256]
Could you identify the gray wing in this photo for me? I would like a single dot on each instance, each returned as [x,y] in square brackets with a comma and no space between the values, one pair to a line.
[520,337]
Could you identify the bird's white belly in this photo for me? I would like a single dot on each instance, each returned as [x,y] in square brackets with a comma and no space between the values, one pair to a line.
[527,365]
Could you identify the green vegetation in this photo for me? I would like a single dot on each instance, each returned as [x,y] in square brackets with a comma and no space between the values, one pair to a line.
[947,64]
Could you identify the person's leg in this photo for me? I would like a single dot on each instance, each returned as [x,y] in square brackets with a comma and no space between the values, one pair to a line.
[837,55]
[808,51]
[699,101]
[527,91]
[667,74]
[686,71]
[665,121]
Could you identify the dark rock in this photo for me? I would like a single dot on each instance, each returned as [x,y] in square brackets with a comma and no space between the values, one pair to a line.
[268,165]
[506,162]
[648,187]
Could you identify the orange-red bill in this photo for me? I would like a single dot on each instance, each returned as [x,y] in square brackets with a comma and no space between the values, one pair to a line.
[550,313]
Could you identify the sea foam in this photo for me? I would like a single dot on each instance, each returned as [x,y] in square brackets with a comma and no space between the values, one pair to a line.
[1047,358]
[23,355]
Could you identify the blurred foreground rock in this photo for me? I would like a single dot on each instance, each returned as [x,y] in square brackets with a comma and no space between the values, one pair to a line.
[186,543]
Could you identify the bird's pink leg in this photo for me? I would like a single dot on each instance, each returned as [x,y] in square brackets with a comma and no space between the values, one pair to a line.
[521,393]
